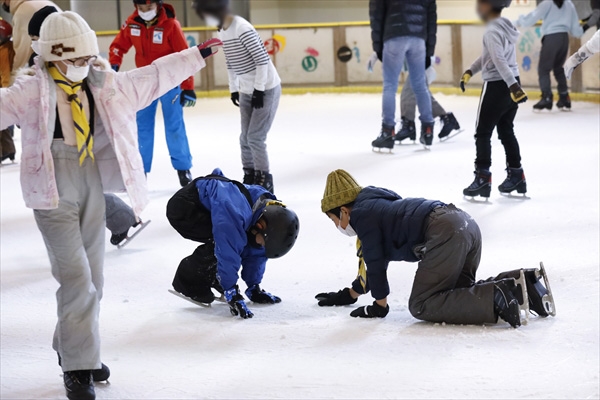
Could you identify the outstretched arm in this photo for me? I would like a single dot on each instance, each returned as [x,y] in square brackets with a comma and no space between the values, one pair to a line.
[533,17]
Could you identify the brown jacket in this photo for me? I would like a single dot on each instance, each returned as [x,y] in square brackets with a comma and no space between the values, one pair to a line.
[7,56]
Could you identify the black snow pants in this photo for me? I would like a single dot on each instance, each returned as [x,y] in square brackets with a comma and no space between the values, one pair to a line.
[197,273]
[555,49]
[444,289]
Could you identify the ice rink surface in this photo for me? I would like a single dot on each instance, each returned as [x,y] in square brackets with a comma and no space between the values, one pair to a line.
[159,346]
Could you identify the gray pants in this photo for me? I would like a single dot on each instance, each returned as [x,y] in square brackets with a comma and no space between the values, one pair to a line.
[408,103]
[74,237]
[256,124]
[119,216]
[555,48]
[444,289]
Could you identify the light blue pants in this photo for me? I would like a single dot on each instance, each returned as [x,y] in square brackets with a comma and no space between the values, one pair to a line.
[177,141]
[395,52]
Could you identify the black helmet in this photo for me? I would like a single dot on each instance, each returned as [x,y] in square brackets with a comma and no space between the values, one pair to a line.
[282,227]
[159,2]
[216,8]
[500,4]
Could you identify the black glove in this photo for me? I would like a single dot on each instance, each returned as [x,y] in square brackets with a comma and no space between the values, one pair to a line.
[258,295]
[235,98]
[258,99]
[427,62]
[341,298]
[237,305]
[517,93]
[380,55]
[115,67]
[374,311]
[188,98]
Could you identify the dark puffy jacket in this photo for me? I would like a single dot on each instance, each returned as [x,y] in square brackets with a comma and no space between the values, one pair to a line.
[393,18]
[389,228]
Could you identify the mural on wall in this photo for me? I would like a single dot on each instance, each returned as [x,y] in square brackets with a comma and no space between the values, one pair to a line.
[356,51]
[191,41]
[275,44]
[528,47]
[310,62]
[344,54]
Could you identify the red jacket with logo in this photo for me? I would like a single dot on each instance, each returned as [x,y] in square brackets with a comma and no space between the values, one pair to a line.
[151,42]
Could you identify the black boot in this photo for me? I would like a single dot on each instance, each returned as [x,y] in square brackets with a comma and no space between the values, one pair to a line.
[536,292]
[117,238]
[449,124]
[564,101]
[515,180]
[249,174]
[185,177]
[545,103]
[196,275]
[426,134]
[98,375]
[10,156]
[506,305]
[385,140]
[79,385]
[264,179]
[408,131]
[481,186]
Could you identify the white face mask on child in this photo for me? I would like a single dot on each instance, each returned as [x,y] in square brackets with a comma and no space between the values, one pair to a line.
[148,15]
[349,231]
[211,21]
[76,74]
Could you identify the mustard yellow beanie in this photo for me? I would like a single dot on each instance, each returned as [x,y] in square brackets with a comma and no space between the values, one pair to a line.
[340,189]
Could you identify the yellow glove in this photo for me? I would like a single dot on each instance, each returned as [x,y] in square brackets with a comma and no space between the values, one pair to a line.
[517,93]
[465,79]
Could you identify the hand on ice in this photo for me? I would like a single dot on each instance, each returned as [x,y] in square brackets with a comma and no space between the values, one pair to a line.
[188,98]
[372,61]
[235,98]
[258,99]
[517,93]
[210,47]
[373,311]
[258,295]
[466,77]
[237,305]
[340,298]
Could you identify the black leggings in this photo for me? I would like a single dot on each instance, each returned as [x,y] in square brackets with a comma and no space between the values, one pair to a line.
[496,110]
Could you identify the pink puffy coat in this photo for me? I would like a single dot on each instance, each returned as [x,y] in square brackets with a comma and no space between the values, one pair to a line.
[31,103]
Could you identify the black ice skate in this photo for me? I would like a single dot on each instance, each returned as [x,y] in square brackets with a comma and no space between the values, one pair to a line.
[264,179]
[564,102]
[122,239]
[385,140]
[541,301]
[515,180]
[545,103]
[8,156]
[408,131]
[449,124]
[185,177]
[98,375]
[481,186]
[249,174]
[79,385]
[506,305]
[426,138]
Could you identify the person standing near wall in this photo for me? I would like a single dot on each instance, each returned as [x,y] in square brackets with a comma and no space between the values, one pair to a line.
[559,18]
[154,32]
[401,31]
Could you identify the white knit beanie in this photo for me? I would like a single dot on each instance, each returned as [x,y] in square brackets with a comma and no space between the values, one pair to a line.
[66,35]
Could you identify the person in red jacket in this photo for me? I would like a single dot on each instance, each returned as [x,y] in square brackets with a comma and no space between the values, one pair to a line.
[154,32]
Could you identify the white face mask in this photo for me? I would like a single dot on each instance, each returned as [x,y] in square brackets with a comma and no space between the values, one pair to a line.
[349,231]
[148,15]
[211,21]
[36,47]
[77,74]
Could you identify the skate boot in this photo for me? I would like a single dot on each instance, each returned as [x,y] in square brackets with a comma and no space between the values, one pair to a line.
[515,180]
[385,140]
[506,305]
[541,301]
[408,131]
[545,103]
[481,186]
[98,375]
[249,174]
[449,124]
[264,179]
[117,238]
[426,138]
[564,102]
[79,385]
[9,156]
[185,177]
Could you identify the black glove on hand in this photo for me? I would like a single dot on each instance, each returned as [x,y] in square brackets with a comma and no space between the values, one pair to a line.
[258,99]
[188,98]
[427,62]
[380,55]
[115,67]
[341,298]
[237,305]
[235,98]
[374,311]
[258,295]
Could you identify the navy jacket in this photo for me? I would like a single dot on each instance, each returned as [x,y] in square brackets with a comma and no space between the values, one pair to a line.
[389,228]
[232,216]
[393,18]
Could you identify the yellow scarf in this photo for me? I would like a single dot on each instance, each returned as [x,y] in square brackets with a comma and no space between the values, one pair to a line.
[85,141]
[362,268]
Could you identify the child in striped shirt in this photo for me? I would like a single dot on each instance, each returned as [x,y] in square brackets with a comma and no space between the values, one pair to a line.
[254,84]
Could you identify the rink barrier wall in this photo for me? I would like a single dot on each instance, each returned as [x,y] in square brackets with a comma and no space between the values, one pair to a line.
[332,58]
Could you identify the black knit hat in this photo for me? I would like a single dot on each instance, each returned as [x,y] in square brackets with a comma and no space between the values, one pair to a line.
[38,19]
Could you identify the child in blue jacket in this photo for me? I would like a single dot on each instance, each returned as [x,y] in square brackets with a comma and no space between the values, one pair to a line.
[445,241]
[240,226]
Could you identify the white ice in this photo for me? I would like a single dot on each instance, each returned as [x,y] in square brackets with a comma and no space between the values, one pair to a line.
[161,347]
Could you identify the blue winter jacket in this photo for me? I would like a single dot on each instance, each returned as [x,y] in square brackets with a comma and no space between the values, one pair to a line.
[232,216]
[389,228]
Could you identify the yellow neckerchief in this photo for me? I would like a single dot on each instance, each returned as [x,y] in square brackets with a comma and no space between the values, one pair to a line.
[85,141]
[362,267]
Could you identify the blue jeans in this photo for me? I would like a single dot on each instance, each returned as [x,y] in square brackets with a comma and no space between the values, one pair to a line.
[177,141]
[395,52]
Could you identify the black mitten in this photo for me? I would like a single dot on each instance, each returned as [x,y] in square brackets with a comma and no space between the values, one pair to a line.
[374,311]
[340,298]
[258,295]
[258,99]
[235,98]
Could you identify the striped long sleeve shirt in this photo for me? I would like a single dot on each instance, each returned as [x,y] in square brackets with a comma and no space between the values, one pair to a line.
[248,64]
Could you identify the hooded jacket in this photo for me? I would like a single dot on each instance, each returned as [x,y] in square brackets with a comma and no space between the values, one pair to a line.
[22,11]
[150,42]
[31,103]
[232,216]
[389,228]
[498,60]
[554,19]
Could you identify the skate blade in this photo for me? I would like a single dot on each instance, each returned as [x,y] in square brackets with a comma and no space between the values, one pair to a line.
[547,299]
[403,143]
[204,305]
[477,199]
[523,307]
[521,196]
[128,239]
[450,136]
[378,150]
